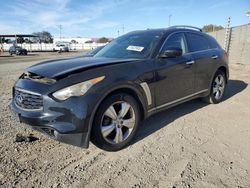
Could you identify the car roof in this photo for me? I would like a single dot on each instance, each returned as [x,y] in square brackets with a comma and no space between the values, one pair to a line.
[170,30]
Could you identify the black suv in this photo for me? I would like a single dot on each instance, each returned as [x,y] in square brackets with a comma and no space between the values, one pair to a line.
[17,50]
[104,98]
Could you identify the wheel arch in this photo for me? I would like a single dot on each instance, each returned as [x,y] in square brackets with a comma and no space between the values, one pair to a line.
[135,94]
[128,89]
[224,70]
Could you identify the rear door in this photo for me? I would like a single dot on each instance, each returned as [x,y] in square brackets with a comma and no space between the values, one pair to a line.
[204,57]
[174,76]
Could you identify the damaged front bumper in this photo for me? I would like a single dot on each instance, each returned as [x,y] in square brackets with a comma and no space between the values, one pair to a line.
[66,121]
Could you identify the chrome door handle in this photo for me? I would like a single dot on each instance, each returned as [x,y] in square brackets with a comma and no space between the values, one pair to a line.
[214,57]
[190,62]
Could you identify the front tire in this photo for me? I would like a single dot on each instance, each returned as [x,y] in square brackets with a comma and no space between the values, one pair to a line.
[115,122]
[217,89]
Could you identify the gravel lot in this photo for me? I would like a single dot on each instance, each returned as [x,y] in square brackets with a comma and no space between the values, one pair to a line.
[191,145]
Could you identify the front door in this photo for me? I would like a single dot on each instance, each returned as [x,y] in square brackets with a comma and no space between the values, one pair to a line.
[175,77]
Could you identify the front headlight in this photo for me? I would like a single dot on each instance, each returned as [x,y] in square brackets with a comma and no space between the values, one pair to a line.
[77,89]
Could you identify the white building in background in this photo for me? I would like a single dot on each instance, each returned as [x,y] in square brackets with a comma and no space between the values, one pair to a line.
[79,45]
[79,40]
[75,43]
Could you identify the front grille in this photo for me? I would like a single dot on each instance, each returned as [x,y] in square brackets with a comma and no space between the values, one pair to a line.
[28,100]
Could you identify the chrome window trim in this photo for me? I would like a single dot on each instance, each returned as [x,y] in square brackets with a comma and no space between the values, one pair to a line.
[200,51]
[147,91]
[177,100]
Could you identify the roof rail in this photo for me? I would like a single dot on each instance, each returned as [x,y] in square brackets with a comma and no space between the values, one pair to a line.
[187,27]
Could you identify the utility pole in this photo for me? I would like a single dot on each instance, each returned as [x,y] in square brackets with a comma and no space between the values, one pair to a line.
[118,33]
[60,28]
[227,35]
[169,19]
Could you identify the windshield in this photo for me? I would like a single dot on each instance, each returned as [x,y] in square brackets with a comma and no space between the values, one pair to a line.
[132,45]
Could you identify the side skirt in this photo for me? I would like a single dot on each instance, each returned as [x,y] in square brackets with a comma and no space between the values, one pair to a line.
[176,102]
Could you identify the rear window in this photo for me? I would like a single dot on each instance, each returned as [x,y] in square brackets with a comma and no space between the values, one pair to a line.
[197,42]
[213,43]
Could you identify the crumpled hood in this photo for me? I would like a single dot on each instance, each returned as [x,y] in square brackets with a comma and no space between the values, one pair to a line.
[61,67]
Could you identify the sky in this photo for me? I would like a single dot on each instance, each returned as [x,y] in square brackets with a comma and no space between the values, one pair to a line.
[97,18]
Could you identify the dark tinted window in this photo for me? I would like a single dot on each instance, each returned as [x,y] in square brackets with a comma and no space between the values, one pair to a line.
[176,40]
[213,43]
[197,42]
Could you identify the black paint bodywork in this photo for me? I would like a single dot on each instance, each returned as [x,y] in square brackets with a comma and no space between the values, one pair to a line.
[168,79]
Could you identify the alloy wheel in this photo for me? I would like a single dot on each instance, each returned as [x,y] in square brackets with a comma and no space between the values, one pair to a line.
[118,122]
[218,87]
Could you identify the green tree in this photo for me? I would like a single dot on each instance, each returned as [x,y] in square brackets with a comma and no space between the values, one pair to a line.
[7,41]
[2,40]
[44,37]
[211,27]
[74,42]
[20,40]
[27,41]
[89,41]
[103,40]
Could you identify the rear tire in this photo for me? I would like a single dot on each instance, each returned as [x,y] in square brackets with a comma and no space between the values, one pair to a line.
[217,88]
[116,122]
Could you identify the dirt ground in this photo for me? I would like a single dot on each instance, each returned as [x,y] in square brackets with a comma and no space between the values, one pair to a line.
[191,145]
[36,56]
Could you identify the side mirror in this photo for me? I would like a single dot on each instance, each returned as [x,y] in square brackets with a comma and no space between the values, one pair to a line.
[171,52]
